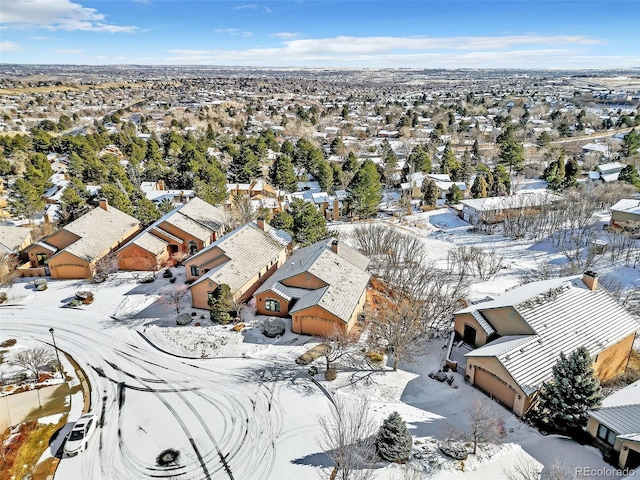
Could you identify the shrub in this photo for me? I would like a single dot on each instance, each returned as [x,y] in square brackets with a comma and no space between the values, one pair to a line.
[330,375]
[375,357]
[394,441]
[3,297]
[8,343]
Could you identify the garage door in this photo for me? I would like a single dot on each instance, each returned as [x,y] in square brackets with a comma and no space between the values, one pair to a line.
[494,387]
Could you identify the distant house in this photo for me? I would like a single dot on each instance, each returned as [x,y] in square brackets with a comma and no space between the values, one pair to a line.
[608,172]
[414,181]
[260,194]
[242,259]
[75,250]
[14,240]
[185,230]
[516,338]
[158,193]
[493,209]
[615,426]
[626,211]
[320,286]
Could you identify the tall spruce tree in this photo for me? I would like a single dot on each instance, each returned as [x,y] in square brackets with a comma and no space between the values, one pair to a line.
[365,190]
[429,192]
[394,441]
[281,174]
[564,401]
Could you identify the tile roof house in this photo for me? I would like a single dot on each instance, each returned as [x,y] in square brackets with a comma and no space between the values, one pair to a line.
[615,426]
[75,250]
[185,230]
[241,259]
[320,286]
[14,239]
[518,337]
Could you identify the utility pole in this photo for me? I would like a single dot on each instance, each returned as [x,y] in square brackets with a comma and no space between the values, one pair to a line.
[56,349]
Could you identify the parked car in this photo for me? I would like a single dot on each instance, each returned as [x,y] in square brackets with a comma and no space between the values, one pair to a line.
[78,438]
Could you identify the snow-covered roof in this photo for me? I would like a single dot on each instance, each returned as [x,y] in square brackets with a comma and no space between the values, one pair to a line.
[521,200]
[565,314]
[627,205]
[12,238]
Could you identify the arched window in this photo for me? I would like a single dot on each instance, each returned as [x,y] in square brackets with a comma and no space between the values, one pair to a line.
[272,305]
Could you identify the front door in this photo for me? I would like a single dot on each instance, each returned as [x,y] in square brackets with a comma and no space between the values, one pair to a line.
[633,459]
[469,336]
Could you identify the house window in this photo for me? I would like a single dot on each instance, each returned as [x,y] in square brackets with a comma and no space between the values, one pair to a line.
[195,271]
[193,247]
[606,435]
[272,305]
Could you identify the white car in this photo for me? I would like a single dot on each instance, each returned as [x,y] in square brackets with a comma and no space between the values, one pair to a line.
[78,438]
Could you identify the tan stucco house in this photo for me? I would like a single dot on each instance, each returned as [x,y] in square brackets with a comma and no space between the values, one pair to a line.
[74,250]
[517,337]
[615,426]
[321,286]
[241,259]
[626,212]
[185,230]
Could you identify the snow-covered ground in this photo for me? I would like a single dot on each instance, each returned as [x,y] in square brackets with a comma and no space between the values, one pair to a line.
[235,404]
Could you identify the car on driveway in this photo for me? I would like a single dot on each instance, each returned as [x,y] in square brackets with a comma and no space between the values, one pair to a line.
[78,438]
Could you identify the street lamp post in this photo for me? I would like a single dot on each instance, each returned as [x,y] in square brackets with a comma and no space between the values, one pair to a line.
[56,349]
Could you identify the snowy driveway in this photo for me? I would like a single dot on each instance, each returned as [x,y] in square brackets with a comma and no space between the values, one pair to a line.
[226,417]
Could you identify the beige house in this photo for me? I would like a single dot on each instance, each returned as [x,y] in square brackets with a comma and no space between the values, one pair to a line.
[13,240]
[185,230]
[615,426]
[626,212]
[241,259]
[517,338]
[321,286]
[75,250]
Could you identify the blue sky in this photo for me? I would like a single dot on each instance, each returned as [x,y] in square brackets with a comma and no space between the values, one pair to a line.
[316,33]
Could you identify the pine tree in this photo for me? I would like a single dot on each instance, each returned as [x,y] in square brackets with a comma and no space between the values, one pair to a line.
[394,441]
[455,194]
[479,187]
[365,190]
[564,401]
[630,175]
[430,193]
[281,174]
[220,302]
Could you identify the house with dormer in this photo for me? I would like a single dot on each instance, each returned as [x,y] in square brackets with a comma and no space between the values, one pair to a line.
[321,287]
[514,340]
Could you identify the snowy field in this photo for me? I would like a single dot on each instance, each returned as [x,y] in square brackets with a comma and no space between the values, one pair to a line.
[235,404]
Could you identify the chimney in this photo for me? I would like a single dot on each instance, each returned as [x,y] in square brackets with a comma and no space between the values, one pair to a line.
[334,246]
[590,279]
[260,223]
[160,184]
[103,204]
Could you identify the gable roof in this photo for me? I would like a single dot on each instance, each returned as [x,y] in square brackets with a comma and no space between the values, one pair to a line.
[12,238]
[627,205]
[249,249]
[565,315]
[521,200]
[99,231]
[343,274]
[197,218]
[620,412]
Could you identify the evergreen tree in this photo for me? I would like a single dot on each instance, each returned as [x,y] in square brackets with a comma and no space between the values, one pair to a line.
[117,198]
[479,188]
[630,175]
[144,209]
[220,302]
[430,193]
[466,167]
[365,190]
[351,163]
[245,166]
[449,163]
[511,150]
[455,194]
[309,226]
[281,174]
[394,441]
[571,174]
[630,143]
[73,202]
[282,220]
[564,402]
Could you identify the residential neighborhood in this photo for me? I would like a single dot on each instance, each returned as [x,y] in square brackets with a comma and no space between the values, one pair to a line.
[350,273]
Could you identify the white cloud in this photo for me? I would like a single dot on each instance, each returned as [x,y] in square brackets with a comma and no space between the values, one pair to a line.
[252,6]
[9,47]
[235,32]
[57,15]
[285,35]
[518,51]
[69,51]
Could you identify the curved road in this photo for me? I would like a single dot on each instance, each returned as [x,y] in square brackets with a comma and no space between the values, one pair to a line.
[222,418]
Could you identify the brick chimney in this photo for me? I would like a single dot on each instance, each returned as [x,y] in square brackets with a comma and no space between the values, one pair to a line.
[334,246]
[160,184]
[260,223]
[103,204]
[590,279]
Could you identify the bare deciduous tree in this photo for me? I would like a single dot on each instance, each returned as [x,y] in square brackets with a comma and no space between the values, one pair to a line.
[106,265]
[173,297]
[485,426]
[348,439]
[339,344]
[33,359]
[523,469]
